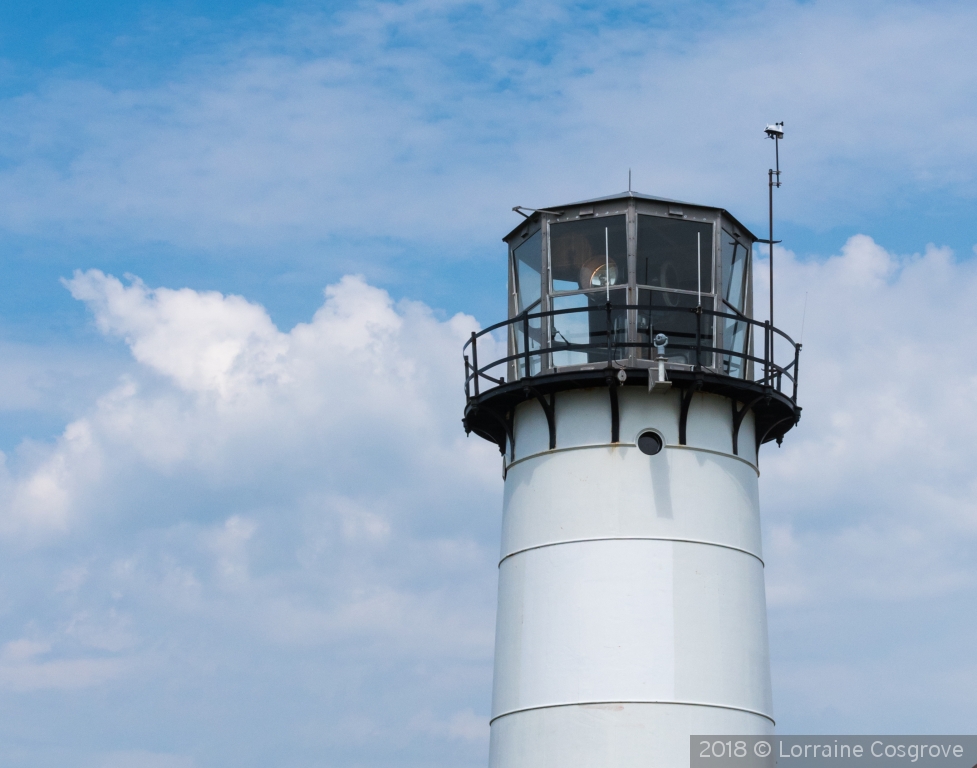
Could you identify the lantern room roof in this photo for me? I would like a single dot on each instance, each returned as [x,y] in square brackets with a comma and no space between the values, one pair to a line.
[637,196]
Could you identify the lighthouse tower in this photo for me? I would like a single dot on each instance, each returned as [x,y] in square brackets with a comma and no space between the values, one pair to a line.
[629,408]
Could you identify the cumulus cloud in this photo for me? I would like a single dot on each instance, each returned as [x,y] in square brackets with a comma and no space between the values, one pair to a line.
[245,488]
[204,341]
[318,394]
[871,505]
[301,510]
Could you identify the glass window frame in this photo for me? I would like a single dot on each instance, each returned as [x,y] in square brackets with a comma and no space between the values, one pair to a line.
[548,284]
[512,342]
[711,274]
[732,228]
[631,208]
[613,209]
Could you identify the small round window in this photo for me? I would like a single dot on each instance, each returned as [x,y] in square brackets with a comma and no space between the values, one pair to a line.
[650,443]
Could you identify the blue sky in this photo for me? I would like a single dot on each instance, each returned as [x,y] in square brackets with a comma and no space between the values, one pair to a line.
[239,524]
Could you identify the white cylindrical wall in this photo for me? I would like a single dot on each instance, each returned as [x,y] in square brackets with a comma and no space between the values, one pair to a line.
[631,598]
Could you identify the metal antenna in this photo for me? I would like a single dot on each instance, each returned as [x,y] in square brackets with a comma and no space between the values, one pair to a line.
[629,181]
[607,264]
[775,132]
[803,318]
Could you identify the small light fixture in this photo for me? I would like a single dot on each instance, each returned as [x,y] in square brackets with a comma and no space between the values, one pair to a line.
[650,443]
[599,278]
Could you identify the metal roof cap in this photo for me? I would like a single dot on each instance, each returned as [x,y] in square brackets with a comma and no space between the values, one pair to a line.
[625,196]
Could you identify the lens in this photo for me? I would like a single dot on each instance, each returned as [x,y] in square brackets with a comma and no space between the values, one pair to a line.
[599,278]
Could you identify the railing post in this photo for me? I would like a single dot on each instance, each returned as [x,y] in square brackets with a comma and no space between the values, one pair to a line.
[797,362]
[748,349]
[468,392]
[475,359]
[525,341]
[767,378]
[698,338]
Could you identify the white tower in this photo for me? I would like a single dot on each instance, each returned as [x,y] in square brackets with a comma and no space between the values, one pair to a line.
[631,596]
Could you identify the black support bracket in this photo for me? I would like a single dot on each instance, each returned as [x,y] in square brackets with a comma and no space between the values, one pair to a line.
[738,415]
[771,428]
[683,415]
[615,410]
[549,409]
[507,426]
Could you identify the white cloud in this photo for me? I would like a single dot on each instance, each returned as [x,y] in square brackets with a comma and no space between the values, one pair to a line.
[311,492]
[870,506]
[337,125]
[229,544]
[21,669]
[246,493]
[204,341]
[43,499]
[465,725]
[317,396]
[888,419]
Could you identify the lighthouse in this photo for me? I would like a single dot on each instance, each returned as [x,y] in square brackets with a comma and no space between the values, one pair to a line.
[629,407]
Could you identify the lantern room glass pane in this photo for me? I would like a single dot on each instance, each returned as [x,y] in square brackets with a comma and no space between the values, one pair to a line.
[735,259]
[581,336]
[577,253]
[673,314]
[527,270]
[528,329]
[527,261]
[674,253]
[735,256]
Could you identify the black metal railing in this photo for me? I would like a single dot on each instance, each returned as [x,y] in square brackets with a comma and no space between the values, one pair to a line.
[699,344]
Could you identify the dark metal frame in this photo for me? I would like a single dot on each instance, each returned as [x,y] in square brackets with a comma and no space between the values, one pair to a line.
[633,207]
[489,412]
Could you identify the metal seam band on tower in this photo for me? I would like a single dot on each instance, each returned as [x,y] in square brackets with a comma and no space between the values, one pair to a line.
[630,538]
[598,703]
[596,446]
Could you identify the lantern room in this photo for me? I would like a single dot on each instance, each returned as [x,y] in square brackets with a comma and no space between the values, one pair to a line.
[598,280]
[629,290]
